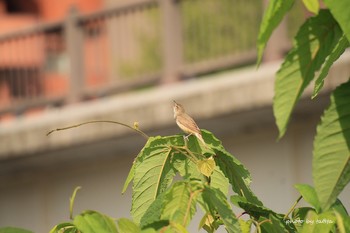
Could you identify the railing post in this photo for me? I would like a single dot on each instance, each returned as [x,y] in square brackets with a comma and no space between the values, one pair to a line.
[172,40]
[74,45]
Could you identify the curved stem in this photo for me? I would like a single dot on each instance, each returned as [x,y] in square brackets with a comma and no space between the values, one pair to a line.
[242,214]
[187,153]
[100,121]
[292,208]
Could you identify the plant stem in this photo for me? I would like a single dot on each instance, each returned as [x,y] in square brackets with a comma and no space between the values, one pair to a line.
[100,121]
[292,208]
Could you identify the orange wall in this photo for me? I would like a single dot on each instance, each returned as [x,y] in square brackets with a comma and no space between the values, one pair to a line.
[57,9]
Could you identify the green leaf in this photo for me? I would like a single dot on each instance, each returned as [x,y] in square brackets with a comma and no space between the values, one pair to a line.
[219,181]
[14,230]
[127,226]
[343,222]
[208,223]
[299,217]
[188,169]
[153,214]
[309,194]
[261,212]
[65,228]
[313,43]
[273,225]
[252,209]
[206,166]
[312,5]
[340,208]
[338,49]
[129,178]
[215,202]
[341,12]
[176,228]
[322,223]
[153,173]
[238,176]
[94,222]
[278,224]
[71,201]
[273,15]
[331,155]
[179,204]
[245,225]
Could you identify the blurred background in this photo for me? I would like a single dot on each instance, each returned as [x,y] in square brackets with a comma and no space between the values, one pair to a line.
[64,62]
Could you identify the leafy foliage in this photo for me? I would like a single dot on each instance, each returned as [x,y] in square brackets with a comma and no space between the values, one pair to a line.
[13,230]
[317,38]
[274,14]
[309,194]
[321,40]
[206,172]
[331,167]
[93,222]
[341,12]
[164,157]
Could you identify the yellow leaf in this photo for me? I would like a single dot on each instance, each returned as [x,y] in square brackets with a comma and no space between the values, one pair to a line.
[206,166]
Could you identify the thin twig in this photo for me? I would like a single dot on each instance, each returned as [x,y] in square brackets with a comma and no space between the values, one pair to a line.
[242,214]
[99,121]
[292,208]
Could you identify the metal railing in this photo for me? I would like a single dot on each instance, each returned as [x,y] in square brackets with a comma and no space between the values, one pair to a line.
[135,44]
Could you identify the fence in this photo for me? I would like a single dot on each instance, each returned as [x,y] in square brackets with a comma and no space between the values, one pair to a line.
[135,44]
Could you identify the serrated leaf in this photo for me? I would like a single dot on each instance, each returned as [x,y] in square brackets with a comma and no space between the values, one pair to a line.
[153,213]
[153,173]
[312,5]
[215,202]
[219,180]
[252,209]
[94,222]
[331,155]
[273,15]
[314,41]
[179,204]
[129,178]
[261,212]
[338,50]
[309,194]
[341,12]
[278,224]
[206,166]
[237,175]
[274,224]
[127,226]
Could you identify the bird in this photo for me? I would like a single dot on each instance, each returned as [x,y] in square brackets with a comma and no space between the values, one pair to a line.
[186,123]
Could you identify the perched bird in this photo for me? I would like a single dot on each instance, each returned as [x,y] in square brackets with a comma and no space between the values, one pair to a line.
[186,123]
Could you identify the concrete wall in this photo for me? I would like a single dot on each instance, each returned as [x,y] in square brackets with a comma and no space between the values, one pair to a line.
[38,177]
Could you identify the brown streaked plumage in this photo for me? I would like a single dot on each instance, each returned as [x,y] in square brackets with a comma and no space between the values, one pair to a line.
[186,123]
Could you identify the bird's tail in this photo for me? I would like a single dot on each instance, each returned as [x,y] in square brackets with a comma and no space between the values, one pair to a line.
[200,138]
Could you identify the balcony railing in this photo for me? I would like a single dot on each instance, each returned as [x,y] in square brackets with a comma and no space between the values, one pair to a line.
[135,44]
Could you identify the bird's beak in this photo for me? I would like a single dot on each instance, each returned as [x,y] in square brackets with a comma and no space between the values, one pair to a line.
[174,102]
